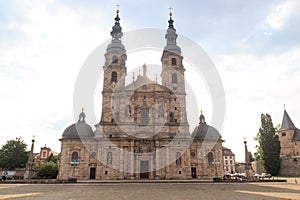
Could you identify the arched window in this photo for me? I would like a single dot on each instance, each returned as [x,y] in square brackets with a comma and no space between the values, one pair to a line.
[210,158]
[114,77]
[74,159]
[109,159]
[115,59]
[144,117]
[174,78]
[178,159]
[127,111]
[173,61]
[172,117]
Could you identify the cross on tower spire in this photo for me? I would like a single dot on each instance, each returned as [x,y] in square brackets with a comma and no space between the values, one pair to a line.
[116,32]
[170,13]
[118,8]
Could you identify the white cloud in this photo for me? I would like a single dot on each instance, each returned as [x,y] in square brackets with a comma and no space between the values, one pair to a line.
[38,71]
[279,14]
[257,84]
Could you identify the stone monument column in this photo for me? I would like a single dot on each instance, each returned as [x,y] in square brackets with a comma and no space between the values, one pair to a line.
[30,163]
[247,161]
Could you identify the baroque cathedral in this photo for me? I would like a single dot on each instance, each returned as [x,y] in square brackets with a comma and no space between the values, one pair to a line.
[143,132]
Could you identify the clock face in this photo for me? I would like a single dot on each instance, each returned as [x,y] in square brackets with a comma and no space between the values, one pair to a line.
[113,86]
[193,154]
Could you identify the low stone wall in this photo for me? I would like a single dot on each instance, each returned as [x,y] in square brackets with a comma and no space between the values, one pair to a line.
[35,181]
[257,167]
[290,166]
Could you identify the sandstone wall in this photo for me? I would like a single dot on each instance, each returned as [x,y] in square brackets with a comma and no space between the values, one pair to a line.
[290,166]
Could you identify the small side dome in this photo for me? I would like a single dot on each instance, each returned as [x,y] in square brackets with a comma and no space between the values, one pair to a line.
[204,131]
[79,129]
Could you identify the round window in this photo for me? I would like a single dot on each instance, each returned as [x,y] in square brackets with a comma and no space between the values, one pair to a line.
[144,87]
[193,154]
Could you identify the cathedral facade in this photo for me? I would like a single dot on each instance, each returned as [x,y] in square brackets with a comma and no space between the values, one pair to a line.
[143,132]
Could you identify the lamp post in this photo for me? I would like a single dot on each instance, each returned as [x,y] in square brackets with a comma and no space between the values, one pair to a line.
[73,172]
[73,164]
[215,162]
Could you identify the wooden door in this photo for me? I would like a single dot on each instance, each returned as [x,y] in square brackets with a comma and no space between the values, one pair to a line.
[194,172]
[144,170]
[92,173]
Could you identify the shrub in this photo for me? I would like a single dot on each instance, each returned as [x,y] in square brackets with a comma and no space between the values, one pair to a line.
[47,170]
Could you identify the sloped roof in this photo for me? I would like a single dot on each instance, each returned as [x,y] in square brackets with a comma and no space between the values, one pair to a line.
[296,135]
[57,156]
[227,152]
[139,82]
[287,123]
[35,154]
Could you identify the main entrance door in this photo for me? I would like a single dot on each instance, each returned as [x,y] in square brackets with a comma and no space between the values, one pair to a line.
[194,172]
[92,173]
[144,172]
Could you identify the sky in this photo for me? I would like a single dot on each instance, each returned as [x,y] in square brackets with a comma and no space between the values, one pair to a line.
[255,46]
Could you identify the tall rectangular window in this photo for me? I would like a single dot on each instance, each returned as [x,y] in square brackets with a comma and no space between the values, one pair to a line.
[144,117]
[44,154]
[127,111]
[178,159]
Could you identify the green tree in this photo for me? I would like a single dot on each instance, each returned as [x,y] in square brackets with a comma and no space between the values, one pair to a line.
[269,145]
[256,156]
[13,154]
[51,158]
[251,158]
[47,170]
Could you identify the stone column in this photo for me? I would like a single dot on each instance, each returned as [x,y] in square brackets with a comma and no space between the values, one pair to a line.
[121,164]
[29,171]
[150,166]
[157,161]
[163,162]
[131,160]
[137,167]
[247,160]
[167,162]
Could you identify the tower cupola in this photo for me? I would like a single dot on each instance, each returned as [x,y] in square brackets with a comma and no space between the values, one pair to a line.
[171,37]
